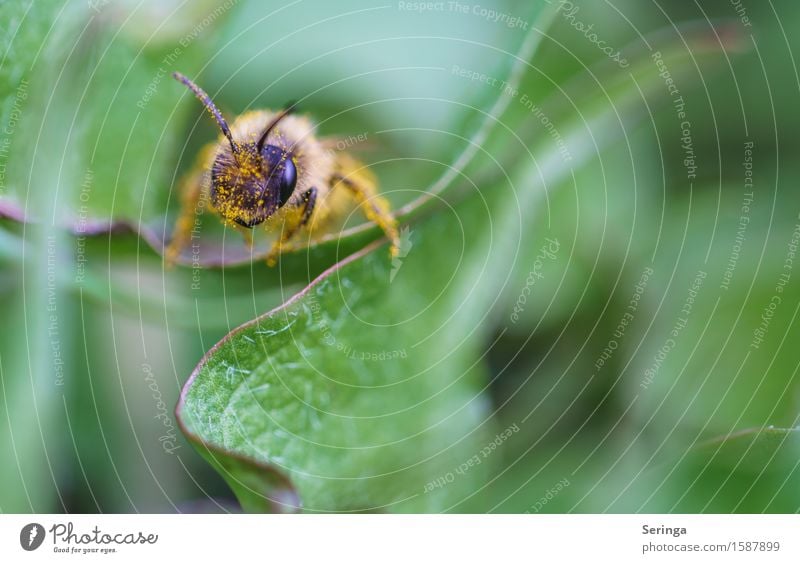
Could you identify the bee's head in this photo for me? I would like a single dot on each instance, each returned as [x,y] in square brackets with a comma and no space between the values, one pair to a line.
[252,181]
[249,185]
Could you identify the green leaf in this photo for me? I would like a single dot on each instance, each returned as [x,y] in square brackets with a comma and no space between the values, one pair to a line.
[333,391]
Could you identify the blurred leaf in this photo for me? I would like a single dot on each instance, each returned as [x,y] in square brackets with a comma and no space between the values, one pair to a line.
[96,128]
[21,44]
[750,471]
[600,208]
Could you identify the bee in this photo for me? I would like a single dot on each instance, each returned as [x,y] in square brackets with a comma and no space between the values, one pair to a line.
[269,168]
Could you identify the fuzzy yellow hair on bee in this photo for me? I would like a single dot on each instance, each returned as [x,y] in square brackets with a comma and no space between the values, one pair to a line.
[268,167]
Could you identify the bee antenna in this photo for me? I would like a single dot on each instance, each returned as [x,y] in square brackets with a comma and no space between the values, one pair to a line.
[290,107]
[209,105]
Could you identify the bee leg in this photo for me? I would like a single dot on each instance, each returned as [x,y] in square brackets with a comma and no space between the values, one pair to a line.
[191,189]
[375,208]
[182,232]
[309,203]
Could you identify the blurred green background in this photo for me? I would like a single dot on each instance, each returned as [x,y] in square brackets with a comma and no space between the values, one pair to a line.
[599,277]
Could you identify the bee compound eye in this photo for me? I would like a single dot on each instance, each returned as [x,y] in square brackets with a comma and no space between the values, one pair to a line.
[282,172]
[288,180]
